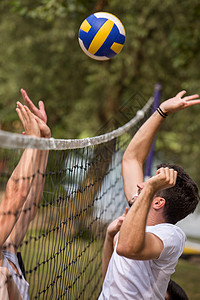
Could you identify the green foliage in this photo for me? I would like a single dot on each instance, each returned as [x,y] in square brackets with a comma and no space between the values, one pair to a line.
[40,53]
[187,276]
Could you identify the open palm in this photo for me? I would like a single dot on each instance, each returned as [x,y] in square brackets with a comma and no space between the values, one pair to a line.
[40,113]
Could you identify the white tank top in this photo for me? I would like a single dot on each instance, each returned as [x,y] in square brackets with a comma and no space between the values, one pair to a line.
[20,281]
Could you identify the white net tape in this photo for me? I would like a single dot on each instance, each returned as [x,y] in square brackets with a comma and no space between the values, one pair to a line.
[14,140]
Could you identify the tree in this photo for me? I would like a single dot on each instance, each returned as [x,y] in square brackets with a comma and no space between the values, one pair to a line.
[40,52]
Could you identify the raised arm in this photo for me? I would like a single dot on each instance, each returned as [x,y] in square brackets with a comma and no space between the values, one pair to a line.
[134,242]
[139,147]
[20,182]
[34,196]
[111,233]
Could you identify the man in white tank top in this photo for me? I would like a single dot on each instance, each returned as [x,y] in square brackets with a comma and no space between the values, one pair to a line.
[143,245]
[17,209]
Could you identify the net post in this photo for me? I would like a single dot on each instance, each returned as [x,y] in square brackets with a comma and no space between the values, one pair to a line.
[156,102]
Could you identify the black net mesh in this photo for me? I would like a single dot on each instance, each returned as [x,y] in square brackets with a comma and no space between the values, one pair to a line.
[65,198]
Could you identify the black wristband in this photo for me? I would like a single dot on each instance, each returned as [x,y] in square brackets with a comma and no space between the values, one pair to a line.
[163,112]
[159,110]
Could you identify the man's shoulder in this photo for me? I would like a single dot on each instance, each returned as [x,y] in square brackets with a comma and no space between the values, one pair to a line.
[167,228]
[172,236]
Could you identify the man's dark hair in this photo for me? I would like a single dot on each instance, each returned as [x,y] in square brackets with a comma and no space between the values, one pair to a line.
[175,292]
[181,199]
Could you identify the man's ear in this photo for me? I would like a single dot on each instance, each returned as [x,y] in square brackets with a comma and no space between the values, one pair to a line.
[158,202]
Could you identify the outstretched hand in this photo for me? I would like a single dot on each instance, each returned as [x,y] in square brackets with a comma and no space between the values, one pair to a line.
[45,131]
[179,102]
[40,113]
[115,226]
[32,124]
[28,121]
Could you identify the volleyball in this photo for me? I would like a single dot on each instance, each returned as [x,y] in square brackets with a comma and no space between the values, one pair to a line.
[101,36]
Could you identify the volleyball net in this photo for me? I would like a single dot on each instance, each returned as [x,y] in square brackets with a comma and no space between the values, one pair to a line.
[67,191]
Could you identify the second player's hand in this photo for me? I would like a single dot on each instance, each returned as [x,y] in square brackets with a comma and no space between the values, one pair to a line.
[29,123]
[45,131]
[115,226]
[40,113]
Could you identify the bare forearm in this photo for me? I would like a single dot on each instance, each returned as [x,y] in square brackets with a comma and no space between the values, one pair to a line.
[141,143]
[146,134]
[18,188]
[32,202]
[107,253]
[21,179]
[136,153]
[132,233]
[37,187]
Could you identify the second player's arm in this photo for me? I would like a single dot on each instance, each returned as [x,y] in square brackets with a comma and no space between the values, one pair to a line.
[110,240]
[32,202]
[17,189]
[34,196]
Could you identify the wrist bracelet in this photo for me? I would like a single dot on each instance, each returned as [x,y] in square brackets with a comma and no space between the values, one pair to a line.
[159,110]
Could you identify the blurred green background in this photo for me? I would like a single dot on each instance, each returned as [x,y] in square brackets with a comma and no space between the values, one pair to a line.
[187,276]
[39,52]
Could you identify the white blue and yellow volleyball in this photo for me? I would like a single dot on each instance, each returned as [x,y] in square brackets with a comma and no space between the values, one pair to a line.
[101,36]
